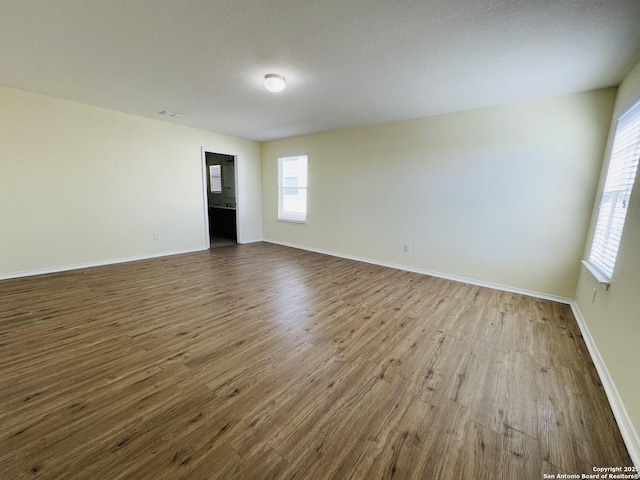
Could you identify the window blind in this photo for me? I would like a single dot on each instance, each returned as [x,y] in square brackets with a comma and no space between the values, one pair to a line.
[617,192]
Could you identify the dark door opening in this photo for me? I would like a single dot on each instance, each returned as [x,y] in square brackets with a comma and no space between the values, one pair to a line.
[221,199]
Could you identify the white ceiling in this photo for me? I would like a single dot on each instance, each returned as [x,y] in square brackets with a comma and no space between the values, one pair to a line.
[347,62]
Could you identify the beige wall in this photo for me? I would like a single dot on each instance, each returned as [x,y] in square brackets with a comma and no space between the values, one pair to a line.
[613,318]
[80,184]
[500,195]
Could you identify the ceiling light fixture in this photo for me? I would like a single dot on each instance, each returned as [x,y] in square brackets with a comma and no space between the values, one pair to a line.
[274,82]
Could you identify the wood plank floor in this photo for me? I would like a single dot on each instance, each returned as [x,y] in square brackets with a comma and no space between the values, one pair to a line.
[261,361]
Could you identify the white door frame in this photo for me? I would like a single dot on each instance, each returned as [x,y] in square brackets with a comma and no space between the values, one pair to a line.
[205,197]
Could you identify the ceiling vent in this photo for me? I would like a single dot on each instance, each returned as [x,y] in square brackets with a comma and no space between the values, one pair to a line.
[167,113]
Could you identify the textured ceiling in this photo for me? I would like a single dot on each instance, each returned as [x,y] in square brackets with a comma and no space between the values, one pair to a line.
[347,62]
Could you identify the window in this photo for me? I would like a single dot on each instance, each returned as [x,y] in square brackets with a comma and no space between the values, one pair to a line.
[616,193]
[292,188]
[215,179]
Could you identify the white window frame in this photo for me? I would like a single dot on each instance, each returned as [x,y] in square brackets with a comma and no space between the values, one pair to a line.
[612,211]
[289,215]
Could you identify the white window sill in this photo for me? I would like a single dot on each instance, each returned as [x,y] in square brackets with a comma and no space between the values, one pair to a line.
[291,220]
[602,279]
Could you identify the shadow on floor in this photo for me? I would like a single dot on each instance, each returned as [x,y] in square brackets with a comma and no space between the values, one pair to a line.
[217,242]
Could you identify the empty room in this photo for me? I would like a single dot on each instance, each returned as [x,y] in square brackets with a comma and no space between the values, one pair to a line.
[319,240]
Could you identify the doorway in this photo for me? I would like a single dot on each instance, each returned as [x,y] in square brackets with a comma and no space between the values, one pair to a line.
[220,173]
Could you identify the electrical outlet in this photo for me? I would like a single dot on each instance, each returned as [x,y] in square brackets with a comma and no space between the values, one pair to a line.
[156,235]
[407,247]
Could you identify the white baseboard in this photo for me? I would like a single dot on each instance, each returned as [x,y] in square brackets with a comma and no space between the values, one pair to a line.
[480,283]
[245,241]
[65,268]
[628,432]
[113,261]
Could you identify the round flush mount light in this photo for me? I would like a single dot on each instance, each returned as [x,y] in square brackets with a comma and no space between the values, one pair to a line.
[274,82]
